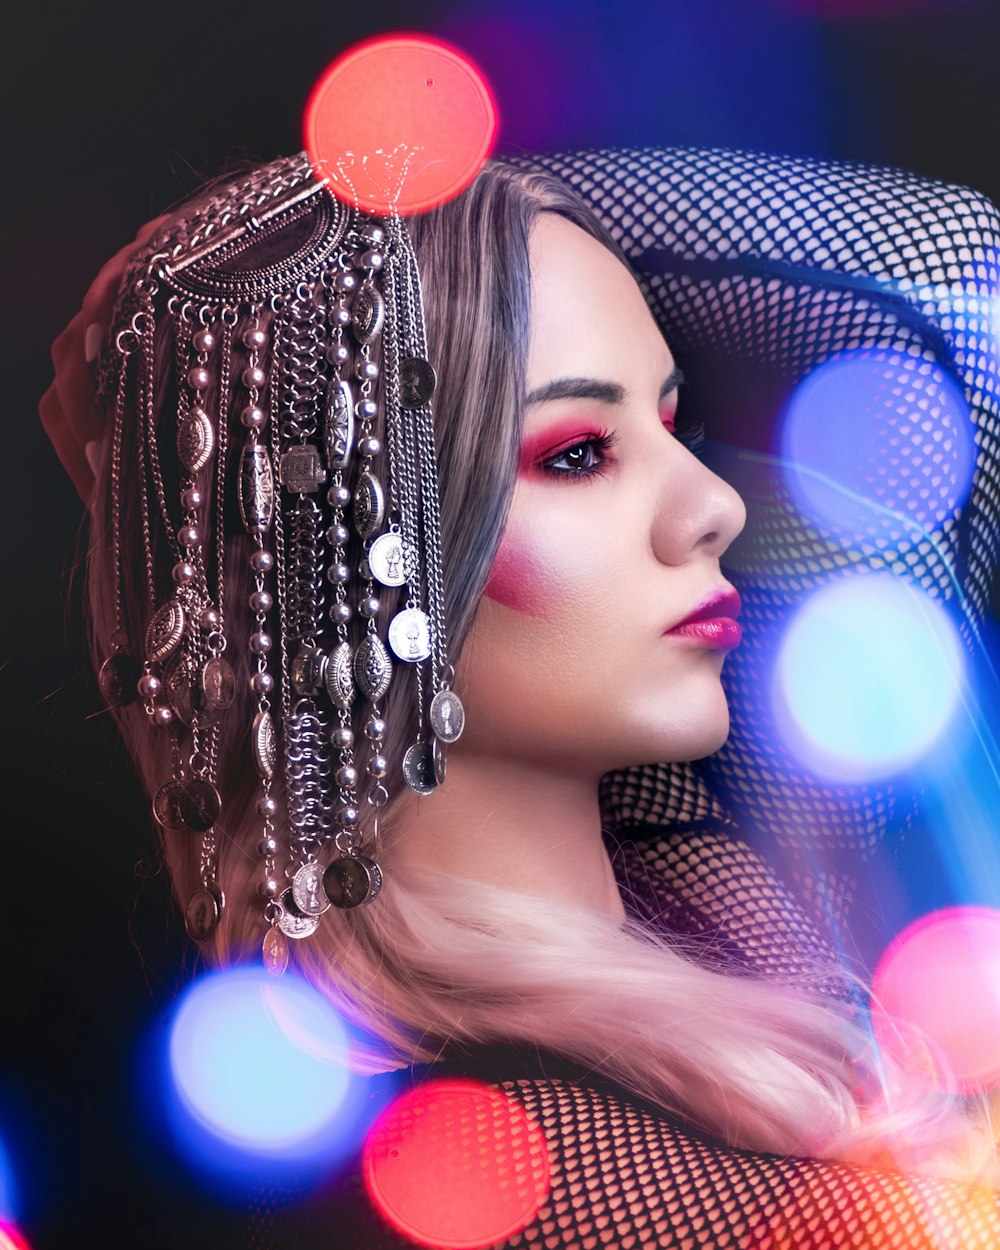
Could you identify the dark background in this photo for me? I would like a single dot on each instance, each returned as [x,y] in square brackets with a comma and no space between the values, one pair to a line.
[114,111]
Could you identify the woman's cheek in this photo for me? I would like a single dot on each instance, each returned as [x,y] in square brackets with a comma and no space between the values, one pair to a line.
[521,578]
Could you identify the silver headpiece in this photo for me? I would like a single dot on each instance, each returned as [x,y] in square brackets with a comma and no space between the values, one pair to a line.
[272,315]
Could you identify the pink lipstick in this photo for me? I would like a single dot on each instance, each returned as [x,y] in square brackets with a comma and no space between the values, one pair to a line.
[713,623]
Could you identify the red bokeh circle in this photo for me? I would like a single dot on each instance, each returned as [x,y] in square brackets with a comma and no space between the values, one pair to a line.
[457,1164]
[401,121]
[941,974]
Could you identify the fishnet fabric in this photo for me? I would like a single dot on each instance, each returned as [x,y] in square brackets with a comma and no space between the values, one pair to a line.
[624,1175]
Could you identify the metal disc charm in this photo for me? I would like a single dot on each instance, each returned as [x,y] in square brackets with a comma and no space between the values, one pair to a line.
[340,676]
[218,684]
[372,668]
[256,491]
[369,505]
[417,381]
[291,922]
[195,440]
[438,759]
[339,426]
[418,768]
[410,635]
[447,715]
[387,560]
[352,881]
[117,679]
[275,951]
[264,745]
[199,804]
[308,670]
[367,313]
[167,809]
[307,890]
[165,631]
[201,915]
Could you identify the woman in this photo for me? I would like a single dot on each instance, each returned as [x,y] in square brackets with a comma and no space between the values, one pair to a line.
[587,624]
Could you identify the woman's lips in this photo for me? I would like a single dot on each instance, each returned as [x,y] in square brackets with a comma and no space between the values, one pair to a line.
[713,623]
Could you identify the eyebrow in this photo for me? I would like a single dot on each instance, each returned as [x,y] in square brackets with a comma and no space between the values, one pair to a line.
[593,388]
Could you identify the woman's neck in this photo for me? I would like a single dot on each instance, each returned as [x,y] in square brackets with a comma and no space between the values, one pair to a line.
[521,825]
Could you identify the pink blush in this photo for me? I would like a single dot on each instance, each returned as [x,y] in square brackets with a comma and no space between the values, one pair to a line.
[517,579]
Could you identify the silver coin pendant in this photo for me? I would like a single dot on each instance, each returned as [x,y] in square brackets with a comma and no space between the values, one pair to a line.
[387,560]
[410,635]
[447,715]
[418,768]
[352,881]
[291,922]
[201,915]
[307,890]
[274,951]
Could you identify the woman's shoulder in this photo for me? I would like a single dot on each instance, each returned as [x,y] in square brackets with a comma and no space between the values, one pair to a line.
[514,1148]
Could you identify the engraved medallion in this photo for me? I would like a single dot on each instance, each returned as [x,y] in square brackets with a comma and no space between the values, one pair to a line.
[447,715]
[201,915]
[301,469]
[275,951]
[218,685]
[339,427]
[340,676]
[256,491]
[416,381]
[418,768]
[195,440]
[264,745]
[291,922]
[369,505]
[387,560]
[117,679]
[199,804]
[367,313]
[372,668]
[307,890]
[410,635]
[352,881]
[308,670]
[165,632]
[438,759]
[167,809]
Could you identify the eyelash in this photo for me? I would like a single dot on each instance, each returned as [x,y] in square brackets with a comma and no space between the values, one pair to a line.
[691,437]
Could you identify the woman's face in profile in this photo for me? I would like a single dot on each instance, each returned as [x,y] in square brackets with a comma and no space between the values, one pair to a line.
[613,539]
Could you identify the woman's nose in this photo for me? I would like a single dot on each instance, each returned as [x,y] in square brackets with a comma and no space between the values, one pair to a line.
[696,512]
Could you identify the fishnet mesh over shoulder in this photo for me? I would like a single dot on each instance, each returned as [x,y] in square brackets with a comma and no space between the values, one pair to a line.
[771,265]
[623,1175]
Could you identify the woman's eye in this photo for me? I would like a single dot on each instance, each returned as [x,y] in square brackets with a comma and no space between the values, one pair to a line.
[586,458]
